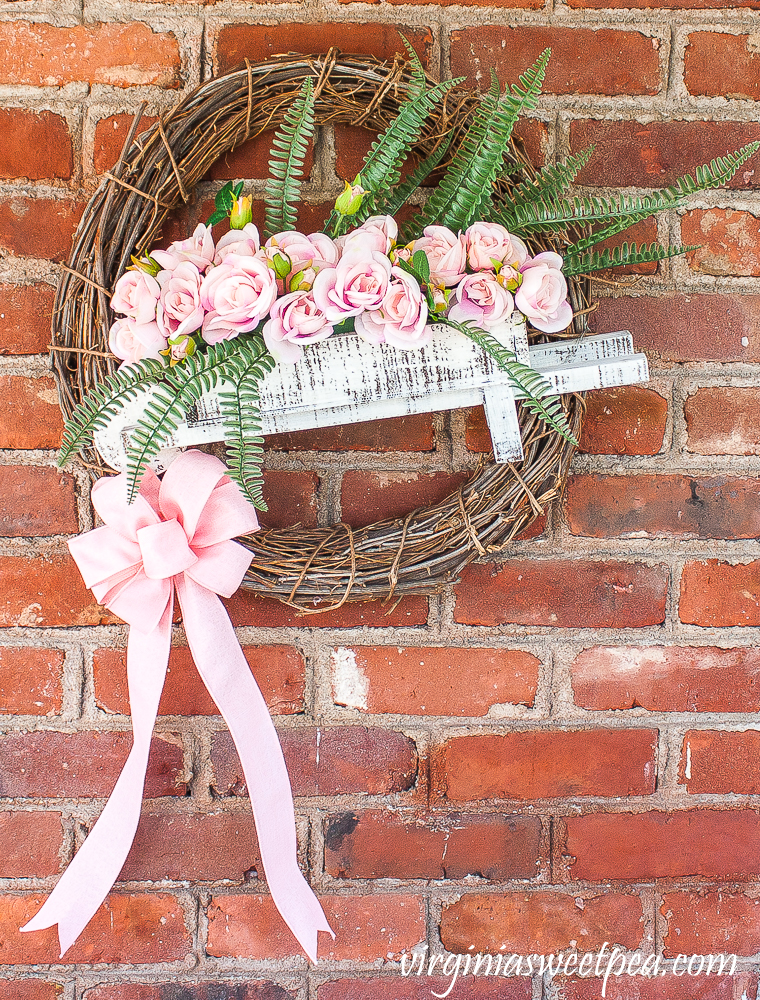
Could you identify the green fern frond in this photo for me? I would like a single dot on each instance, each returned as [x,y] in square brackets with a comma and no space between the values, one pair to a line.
[618,213]
[289,147]
[550,183]
[620,257]
[418,83]
[536,393]
[104,401]
[241,413]
[478,161]
[399,196]
[182,386]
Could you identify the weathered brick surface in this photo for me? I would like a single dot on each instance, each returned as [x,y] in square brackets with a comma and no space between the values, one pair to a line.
[729,241]
[30,843]
[217,990]
[719,64]
[716,593]
[374,496]
[414,988]
[549,764]
[717,762]
[711,922]
[30,681]
[722,421]
[31,417]
[37,145]
[46,591]
[413,433]
[30,989]
[630,420]
[25,313]
[38,227]
[36,501]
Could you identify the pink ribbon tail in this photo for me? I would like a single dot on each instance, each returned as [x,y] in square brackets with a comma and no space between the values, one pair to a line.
[230,683]
[89,878]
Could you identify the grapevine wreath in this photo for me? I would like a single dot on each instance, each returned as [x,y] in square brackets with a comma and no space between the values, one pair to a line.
[319,568]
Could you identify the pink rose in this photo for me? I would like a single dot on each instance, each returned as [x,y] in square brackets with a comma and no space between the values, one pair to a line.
[198,249]
[542,296]
[488,242]
[133,341]
[236,295]
[482,300]
[136,295]
[358,282]
[294,320]
[243,242]
[446,253]
[402,317]
[375,234]
[179,309]
[307,256]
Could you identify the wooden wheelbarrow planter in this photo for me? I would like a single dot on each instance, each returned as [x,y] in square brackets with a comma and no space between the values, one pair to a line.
[346,380]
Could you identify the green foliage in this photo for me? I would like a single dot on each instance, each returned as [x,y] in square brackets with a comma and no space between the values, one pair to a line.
[550,183]
[537,394]
[397,197]
[241,412]
[418,83]
[467,185]
[289,146]
[620,257]
[223,202]
[104,401]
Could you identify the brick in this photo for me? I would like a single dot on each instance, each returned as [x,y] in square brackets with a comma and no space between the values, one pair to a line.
[667,678]
[704,843]
[201,847]
[655,506]
[30,844]
[35,500]
[583,61]
[714,593]
[529,592]
[30,681]
[25,314]
[639,233]
[118,55]
[537,765]
[708,922]
[728,240]
[365,927]
[428,680]
[300,488]
[38,227]
[338,761]
[111,134]
[46,592]
[661,987]
[250,609]
[686,327]
[655,154]
[279,672]
[376,844]
[715,762]
[30,989]
[256,42]
[37,145]
[717,64]
[412,433]
[31,417]
[398,988]
[133,928]
[251,160]
[541,922]
[375,496]
[723,421]
[73,765]
[629,420]
[261,990]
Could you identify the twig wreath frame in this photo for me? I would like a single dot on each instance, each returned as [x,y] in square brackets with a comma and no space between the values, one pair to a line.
[315,569]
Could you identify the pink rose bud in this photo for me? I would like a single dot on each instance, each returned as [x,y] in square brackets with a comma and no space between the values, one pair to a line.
[133,341]
[136,295]
[446,253]
[236,295]
[482,300]
[294,321]
[402,317]
[489,243]
[542,296]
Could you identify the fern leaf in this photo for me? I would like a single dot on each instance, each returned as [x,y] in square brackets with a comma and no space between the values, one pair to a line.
[242,423]
[289,146]
[105,400]
[620,257]
[538,395]
[418,83]
[479,159]
[551,182]
[399,196]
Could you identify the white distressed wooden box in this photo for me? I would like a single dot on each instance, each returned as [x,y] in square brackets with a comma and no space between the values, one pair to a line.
[345,380]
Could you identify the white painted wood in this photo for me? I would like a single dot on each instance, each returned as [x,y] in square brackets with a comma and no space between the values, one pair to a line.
[345,380]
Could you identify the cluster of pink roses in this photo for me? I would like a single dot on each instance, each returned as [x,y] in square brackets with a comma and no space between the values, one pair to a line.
[296,289]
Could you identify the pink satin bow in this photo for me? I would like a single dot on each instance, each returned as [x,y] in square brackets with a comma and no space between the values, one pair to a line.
[177,536]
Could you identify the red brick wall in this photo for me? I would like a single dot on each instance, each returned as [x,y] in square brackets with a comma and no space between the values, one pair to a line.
[560,749]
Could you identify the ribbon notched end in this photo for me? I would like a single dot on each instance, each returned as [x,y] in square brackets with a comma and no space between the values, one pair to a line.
[41,923]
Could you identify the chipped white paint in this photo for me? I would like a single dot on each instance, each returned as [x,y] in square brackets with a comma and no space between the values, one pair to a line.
[350,683]
[687,769]
[345,380]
